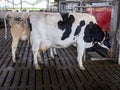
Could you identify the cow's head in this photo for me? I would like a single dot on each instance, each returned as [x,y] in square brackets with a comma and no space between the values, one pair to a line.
[93,33]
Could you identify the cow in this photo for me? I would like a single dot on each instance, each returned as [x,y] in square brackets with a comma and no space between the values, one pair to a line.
[19,27]
[60,30]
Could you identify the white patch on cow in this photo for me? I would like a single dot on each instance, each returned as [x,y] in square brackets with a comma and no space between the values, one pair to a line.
[88,45]
[102,45]
[24,37]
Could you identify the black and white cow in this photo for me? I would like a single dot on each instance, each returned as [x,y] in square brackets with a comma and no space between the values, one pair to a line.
[55,30]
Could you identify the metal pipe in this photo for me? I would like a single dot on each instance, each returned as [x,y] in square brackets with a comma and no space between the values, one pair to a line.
[5,5]
[13,4]
[21,4]
[102,58]
[91,6]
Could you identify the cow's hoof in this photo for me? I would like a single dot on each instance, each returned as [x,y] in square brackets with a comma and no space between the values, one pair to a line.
[82,68]
[56,54]
[37,67]
[118,63]
[14,61]
[53,58]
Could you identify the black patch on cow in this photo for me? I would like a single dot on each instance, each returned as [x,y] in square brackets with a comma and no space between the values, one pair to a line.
[66,24]
[74,38]
[101,50]
[18,19]
[30,25]
[93,33]
[78,29]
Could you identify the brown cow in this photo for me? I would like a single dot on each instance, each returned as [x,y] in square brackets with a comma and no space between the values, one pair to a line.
[19,29]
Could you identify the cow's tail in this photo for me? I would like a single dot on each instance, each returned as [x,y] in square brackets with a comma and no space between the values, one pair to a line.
[5,25]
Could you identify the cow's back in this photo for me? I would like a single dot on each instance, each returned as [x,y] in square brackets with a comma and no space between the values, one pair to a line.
[46,25]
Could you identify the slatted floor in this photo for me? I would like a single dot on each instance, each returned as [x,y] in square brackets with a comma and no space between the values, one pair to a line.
[62,73]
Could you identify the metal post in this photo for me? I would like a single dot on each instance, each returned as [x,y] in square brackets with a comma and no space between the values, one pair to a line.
[59,5]
[118,41]
[81,9]
[5,5]
[90,10]
[114,21]
[47,5]
[21,5]
[13,4]
[118,36]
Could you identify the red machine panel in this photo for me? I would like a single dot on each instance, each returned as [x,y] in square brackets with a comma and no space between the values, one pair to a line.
[103,16]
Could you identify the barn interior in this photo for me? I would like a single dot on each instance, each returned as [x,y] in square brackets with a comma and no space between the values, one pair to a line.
[102,69]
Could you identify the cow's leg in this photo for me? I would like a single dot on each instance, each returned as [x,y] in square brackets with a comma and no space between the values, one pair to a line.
[14,48]
[35,49]
[52,53]
[39,58]
[35,60]
[80,52]
[84,55]
[54,50]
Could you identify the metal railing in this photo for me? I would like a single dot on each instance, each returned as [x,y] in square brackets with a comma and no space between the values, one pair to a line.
[90,6]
